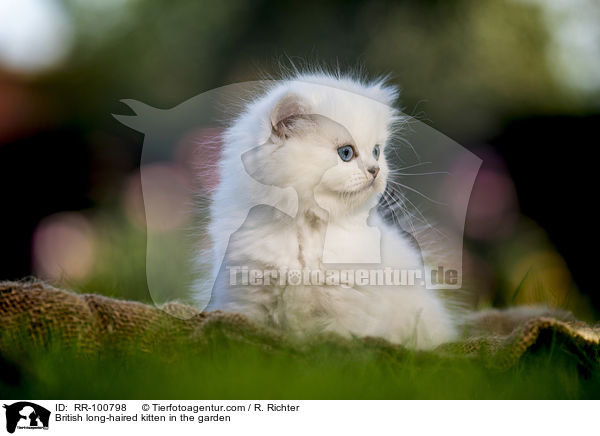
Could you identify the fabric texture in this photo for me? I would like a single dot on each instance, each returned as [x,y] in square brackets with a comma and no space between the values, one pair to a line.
[34,312]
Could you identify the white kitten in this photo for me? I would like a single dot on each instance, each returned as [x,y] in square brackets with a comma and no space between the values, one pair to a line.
[310,152]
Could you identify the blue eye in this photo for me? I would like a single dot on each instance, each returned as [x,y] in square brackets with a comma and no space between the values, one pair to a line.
[376,151]
[346,152]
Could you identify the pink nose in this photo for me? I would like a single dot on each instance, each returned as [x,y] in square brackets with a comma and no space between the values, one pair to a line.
[374,171]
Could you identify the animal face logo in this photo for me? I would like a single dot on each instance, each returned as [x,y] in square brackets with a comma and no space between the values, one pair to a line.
[426,194]
[26,415]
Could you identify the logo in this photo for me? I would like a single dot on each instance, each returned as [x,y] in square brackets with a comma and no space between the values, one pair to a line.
[26,415]
[423,194]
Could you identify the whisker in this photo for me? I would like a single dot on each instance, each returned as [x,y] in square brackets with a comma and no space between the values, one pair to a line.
[404,211]
[417,192]
[422,218]
[414,165]
[395,172]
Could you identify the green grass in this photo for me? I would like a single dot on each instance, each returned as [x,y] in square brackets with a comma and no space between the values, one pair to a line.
[227,369]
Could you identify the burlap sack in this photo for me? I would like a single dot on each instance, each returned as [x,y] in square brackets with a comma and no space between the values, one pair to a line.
[34,312]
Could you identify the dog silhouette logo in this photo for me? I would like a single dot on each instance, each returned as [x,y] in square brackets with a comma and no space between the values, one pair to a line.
[26,415]
[182,161]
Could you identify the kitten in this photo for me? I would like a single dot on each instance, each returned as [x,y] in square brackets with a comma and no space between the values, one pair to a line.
[312,151]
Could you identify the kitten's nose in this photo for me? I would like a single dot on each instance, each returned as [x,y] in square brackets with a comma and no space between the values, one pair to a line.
[374,171]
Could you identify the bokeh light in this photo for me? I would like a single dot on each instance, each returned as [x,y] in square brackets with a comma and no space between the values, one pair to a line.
[34,34]
[64,247]
[493,211]
[167,200]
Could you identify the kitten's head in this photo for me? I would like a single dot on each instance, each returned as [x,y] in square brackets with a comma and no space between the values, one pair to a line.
[328,144]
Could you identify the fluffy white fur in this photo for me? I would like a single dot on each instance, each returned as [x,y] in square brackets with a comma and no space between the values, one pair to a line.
[282,150]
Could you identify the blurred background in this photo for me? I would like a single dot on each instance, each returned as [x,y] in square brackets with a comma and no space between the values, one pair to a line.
[515,81]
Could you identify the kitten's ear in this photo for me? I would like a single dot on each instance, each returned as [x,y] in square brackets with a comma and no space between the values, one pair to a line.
[289,112]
